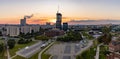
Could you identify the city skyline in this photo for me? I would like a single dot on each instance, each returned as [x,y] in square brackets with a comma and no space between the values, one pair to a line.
[45,10]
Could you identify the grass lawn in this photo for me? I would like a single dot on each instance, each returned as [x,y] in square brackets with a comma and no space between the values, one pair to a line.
[45,56]
[1,41]
[2,55]
[88,36]
[19,57]
[103,50]
[88,54]
[19,46]
[33,57]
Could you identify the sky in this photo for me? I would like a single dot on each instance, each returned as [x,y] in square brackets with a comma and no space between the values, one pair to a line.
[11,11]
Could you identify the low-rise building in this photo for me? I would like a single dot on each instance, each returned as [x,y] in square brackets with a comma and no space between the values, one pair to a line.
[114,55]
[54,32]
[114,48]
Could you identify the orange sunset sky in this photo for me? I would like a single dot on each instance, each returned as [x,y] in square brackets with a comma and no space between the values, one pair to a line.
[11,11]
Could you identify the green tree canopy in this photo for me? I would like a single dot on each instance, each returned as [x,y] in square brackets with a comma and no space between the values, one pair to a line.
[42,37]
[11,43]
[1,47]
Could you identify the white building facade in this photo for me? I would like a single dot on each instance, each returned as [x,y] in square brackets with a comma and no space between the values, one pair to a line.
[12,30]
[25,29]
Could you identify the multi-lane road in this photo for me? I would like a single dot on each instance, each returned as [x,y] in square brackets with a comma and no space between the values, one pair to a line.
[30,50]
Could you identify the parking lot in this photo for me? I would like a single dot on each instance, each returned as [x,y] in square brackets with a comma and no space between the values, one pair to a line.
[64,51]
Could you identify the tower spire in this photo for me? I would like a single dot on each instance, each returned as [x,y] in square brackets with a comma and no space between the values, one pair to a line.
[58,9]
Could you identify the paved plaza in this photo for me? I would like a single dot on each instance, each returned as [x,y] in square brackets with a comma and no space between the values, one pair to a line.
[64,51]
[67,50]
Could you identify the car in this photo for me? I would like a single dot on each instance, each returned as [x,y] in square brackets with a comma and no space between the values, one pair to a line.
[77,44]
[43,45]
[26,47]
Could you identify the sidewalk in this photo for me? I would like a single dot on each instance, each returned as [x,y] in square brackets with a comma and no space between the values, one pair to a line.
[98,51]
[39,56]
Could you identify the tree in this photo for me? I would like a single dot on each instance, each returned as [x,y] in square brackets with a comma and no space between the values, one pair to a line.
[71,36]
[1,47]
[24,41]
[11,43]
[0,33]
[106,37]
[21,41]
[106,29]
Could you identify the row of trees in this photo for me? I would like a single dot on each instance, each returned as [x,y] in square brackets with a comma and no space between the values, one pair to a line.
[11,42]
[71,36]
[42,37]
[24,41]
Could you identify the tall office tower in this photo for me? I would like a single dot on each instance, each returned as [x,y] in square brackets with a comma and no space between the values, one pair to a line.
[65,26]
[58,20]
[23,22]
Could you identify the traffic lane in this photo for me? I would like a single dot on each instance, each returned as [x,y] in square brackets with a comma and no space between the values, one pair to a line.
[31,48]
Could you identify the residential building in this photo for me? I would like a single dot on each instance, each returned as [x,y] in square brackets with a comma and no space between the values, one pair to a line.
[114,55]
[25,29]
[12,30]
[35,28]
[114,48]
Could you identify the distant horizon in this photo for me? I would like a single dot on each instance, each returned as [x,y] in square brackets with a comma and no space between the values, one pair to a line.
[81,22]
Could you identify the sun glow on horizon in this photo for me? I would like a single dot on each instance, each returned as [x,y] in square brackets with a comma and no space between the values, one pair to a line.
[53,20]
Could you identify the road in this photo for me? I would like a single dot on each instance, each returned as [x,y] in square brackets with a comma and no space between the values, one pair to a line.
[30,50]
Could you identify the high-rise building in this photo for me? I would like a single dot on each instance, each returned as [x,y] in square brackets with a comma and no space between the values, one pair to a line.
[23,22]
[65,26]
[58,20]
